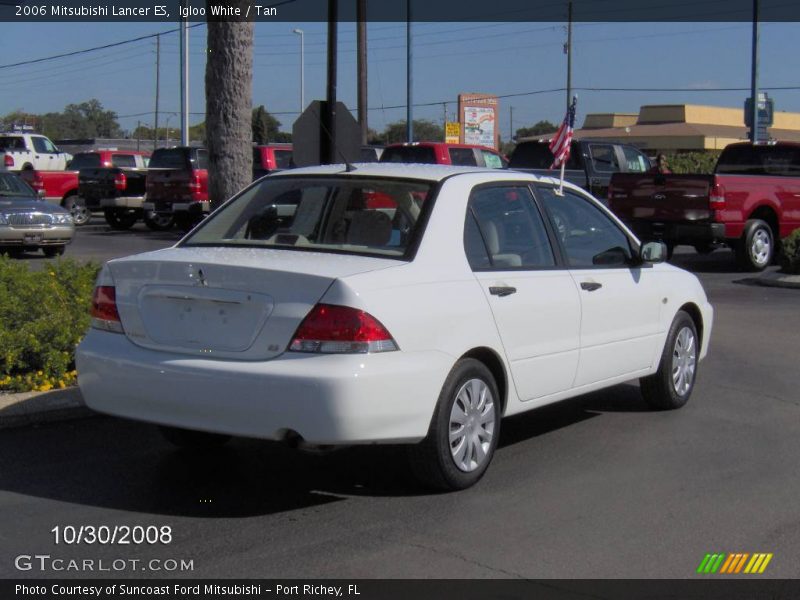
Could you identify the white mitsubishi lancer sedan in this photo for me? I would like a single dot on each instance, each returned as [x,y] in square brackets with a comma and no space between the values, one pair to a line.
[387,303]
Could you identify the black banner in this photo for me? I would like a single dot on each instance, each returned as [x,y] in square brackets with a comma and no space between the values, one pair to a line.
[394,10]
[373,589]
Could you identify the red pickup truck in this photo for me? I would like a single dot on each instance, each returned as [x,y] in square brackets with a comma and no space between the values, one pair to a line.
[61,187]
[440,153]
[750,202]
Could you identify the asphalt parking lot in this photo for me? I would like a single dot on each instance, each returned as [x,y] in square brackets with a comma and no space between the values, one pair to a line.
[595,487]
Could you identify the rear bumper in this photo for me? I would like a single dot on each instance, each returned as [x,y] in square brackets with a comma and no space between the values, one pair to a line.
[168,207]
[122,202]
[327,399]
[679,232]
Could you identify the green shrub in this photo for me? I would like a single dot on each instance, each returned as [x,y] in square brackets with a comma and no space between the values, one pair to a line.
[693,162]
[43,316]
[790,257]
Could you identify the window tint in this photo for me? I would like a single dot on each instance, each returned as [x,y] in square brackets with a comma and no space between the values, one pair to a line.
[168,158]
[463,157]
[635,161]
[492,160]
[589,237]
[537,155]
[123,160]
[283,159]
[85,160]
[760,160]
[409,154]
[604,158]
[506,222]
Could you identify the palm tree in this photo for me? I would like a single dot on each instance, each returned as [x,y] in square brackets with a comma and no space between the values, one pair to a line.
[229,95]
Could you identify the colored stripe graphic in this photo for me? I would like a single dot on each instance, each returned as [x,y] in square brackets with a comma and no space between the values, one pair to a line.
[722,563]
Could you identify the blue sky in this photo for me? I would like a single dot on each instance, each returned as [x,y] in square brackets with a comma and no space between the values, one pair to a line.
[500,58]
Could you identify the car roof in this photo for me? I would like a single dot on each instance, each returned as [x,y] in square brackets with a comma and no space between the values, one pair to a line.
[426,172]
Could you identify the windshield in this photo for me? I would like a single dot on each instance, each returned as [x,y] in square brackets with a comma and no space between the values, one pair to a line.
[11,185]
[370,216]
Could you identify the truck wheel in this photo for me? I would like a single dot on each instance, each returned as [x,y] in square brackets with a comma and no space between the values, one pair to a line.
[157,222]
[671,386]
[185,222]
[120,219]
[53,251]
[77,207]
[464,430]
[704,248]
[756,248]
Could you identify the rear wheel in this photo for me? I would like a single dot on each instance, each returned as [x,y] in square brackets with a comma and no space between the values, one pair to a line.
[120,218]
[77,208]
[464,430]
[671,386]
[159,222]
[756,248]
[186,222]
[53,251]
[188,438]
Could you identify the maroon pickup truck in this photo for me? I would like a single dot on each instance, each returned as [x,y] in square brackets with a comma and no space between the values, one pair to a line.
[750,202]
[177,184]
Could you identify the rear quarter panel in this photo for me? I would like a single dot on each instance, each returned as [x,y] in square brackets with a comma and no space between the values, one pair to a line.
[745,194]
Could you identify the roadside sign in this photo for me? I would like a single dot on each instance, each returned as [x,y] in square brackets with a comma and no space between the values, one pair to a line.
[452,133]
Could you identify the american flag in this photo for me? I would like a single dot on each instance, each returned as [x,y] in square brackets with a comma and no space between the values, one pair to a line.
[560,145]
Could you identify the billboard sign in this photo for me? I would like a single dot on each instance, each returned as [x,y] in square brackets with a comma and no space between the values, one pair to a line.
[478,119]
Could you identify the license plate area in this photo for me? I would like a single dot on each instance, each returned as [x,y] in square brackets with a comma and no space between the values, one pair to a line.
[32,238]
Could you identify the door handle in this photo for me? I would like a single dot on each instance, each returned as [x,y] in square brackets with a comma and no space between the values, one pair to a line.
[590,286]
[502,290]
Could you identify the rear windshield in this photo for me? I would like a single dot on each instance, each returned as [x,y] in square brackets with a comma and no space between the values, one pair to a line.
[760,160]
[409,154]
[283,159]
[537,155]
[351,215]
[169,158]
[85,160]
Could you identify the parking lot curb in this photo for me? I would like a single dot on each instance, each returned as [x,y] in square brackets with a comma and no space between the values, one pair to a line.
[777,279]
[30,408]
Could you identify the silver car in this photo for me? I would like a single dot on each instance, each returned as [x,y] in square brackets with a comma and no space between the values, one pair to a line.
[27,222]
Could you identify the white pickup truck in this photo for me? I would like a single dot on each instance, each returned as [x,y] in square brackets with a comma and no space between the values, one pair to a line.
[21,151]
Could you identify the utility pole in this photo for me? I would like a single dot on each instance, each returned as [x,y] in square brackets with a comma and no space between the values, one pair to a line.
[301,33]
[510,123]
[754,78]
[444,107]
[409,77]
[138,134]
[569,53]
[361,43]
[184,30]
[158,69]
[329,117]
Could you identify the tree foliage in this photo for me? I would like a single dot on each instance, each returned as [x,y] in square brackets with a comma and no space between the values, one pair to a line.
[424,131]
[539,128]
[266,128]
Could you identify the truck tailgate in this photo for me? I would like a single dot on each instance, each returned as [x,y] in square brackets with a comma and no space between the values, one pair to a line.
[657,197]
[169,184]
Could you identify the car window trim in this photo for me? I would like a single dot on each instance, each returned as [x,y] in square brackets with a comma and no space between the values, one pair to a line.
[557,266]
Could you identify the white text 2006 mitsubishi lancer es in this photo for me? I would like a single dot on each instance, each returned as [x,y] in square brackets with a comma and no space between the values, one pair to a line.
[390,304]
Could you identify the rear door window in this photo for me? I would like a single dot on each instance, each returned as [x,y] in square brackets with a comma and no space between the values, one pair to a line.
[463,157]
[604,158]
[493,160]
[635,161]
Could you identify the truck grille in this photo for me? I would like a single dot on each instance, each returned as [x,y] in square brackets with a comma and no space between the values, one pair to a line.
[26,219]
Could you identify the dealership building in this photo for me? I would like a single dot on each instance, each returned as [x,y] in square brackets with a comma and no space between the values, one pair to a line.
[682,127]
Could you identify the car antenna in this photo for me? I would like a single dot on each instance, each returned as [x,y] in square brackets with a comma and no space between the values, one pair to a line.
[348,166]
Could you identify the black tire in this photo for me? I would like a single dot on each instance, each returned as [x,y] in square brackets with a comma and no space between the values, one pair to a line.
[756,248]
[660,390]
[157,222]
[120,219]
[77,207]
[188,438]
[53,251]
[13,252]
[432,460]
[186,222]
[703,248]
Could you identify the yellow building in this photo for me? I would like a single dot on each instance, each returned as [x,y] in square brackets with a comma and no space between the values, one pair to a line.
[682,127]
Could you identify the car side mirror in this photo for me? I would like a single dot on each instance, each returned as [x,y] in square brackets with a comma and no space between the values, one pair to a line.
[653,252]
[40,194]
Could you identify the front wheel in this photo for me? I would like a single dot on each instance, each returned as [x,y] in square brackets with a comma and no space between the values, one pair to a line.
[464,430]
[756,249]
[77,208]
[671,386]
[120,219]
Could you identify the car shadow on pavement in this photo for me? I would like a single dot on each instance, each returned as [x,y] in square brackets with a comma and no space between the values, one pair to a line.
[719,261]
[124,465]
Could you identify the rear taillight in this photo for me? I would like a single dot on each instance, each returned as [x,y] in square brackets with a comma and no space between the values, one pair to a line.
[332,329]
[8,160]
[104,309]
[716,199]
[195,185]
[120,181]
[37,182]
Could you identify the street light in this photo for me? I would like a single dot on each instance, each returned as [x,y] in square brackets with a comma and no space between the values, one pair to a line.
[301,33]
